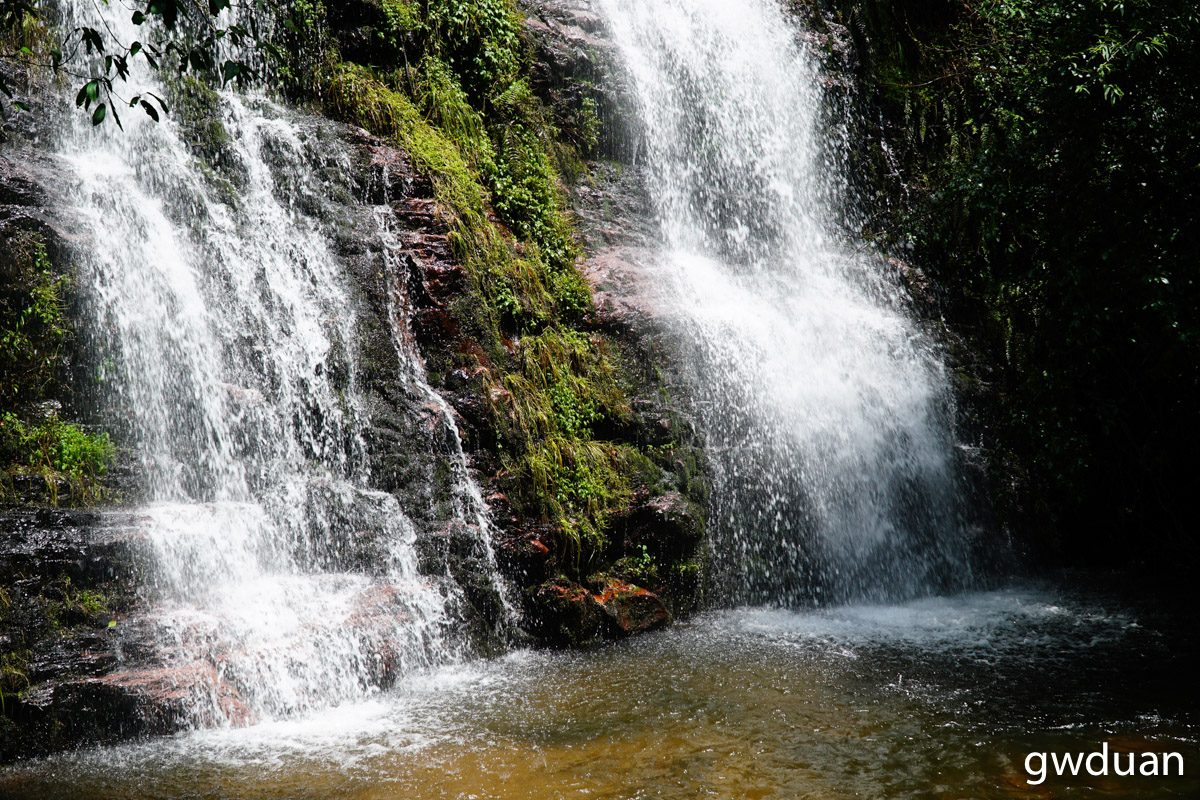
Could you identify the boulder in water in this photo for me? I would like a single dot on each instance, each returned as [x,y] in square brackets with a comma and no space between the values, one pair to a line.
[567,613]
[632,609]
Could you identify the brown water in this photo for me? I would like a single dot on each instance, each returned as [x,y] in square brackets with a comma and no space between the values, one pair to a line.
[938,698]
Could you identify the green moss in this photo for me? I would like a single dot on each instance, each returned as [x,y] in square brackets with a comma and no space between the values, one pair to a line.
[546,399]
[32,324]
[447,107]
[573,372]
[33,329]
[75,606]
[525,185]
[574,483]
[457,103]
[197,109]
[14,675]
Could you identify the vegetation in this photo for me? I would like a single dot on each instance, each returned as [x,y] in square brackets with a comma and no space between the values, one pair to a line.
[74,606]
[446,81]
[54,447]
[33,329]
[14,674]
[1052,168]
[449,83]
[181,35]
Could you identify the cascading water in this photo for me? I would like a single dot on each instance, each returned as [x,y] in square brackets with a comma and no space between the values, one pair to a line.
[826,411]
[282,578]
[468,507]
[247,366]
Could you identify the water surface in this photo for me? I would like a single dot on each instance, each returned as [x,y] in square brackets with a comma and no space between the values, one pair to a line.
[936,698]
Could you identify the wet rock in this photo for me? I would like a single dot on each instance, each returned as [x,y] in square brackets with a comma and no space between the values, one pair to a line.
[88,682]
[53,717]
[458,549]
[389,172]
[43,545]
[564,613]
[923,293]
[669,527]
[66,578]
[118,704]
[632,609]
[524,550]
[31,182]
[657,541]
[579,74]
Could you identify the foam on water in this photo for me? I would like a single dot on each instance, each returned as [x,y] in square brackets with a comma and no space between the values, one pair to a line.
[998,622]
[908,701]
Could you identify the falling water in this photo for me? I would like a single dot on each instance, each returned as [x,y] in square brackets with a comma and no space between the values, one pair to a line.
[826,411]
[283,578]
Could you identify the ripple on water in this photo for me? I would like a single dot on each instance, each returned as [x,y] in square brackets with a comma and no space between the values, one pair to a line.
[940,697]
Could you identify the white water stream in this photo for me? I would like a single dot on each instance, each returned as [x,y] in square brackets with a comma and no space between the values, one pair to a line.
[282,580]
[286,583]
[825,409]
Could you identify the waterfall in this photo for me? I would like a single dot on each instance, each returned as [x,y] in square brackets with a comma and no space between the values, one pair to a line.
[826,411]
[229,340]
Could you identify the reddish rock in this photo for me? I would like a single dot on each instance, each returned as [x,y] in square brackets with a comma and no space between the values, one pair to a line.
[562,612]
[524,549]
[631,608]
[432,325]
[168,697]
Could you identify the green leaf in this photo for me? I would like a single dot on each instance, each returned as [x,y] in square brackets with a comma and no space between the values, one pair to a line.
[150,110]
[162,103]
[138,18]
[20,105]
[98,114]
[230,71]
[134,49]
[92,39]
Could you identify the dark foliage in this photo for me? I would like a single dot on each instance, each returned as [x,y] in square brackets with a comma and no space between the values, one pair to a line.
[1052,171]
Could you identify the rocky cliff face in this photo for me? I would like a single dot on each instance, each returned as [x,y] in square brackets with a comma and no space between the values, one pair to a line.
[76,586]
[579,72]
